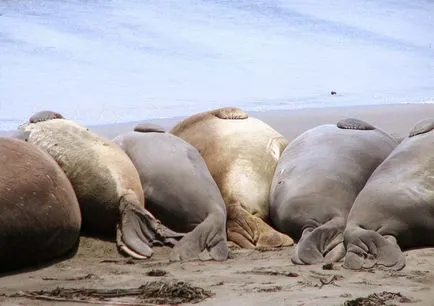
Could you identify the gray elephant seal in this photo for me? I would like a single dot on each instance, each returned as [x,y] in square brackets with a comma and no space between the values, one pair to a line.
[316,181]
[179,191]
[105,181]
[395,209]
[241,153]
[39,212]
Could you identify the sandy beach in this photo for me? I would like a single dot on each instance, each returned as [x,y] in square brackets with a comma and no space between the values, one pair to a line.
[249,277]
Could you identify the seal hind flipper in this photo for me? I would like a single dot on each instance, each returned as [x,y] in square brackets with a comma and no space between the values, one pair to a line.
[138,230]
[149,128]
[322,244]
[423,126]
[249,231]
[206,241]
[230,113]
[44,116]
[370,249]
[354,124]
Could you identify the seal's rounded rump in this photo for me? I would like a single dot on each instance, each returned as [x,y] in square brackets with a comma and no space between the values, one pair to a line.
[39,212]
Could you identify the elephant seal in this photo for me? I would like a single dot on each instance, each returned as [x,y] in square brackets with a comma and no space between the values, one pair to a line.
[241,153]
[179,191]
[39,212]
[316,181]
[105,181]
[149,127]
[44,115]
[395,209]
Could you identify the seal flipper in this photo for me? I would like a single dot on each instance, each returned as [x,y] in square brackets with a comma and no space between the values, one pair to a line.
[138,230]
[206,241]
[321,244]
[367,249]
[354,124]
[423,126]
[44,116]
[249,231]
[149,128]
[230,113]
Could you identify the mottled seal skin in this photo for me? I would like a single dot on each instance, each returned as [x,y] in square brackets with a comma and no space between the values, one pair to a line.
[241,153]
[105,181]
[40,215]
[44,115]
[180,192]
[316,181]
[395,209]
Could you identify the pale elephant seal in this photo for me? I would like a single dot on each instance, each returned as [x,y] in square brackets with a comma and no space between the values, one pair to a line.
[395,209]
[316,181]
[39,212]
[241,153]
[106,182]
[179,191]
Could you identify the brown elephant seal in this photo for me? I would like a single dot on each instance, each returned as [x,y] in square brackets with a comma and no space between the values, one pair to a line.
[395,209]
[241,153]
[105,181]
[40,216]
[179,191]
[316,181]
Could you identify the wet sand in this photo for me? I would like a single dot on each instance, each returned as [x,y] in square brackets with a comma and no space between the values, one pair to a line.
[249,277]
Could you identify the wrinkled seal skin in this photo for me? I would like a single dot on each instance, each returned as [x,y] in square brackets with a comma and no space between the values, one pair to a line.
[317,180]
[40,216]
[241,153]
[180,192]
[395,209]
[105,181]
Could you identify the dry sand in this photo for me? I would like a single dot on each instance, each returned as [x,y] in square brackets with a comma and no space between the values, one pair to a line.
[249,277]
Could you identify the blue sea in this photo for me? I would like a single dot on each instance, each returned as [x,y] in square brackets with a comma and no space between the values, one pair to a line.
[101,62]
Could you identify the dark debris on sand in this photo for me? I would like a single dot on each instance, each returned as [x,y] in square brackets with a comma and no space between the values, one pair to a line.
[379,299]
[156,272]
[156,292]
[270,272]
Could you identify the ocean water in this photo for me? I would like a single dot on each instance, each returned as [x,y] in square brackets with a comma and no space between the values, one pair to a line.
[100,62]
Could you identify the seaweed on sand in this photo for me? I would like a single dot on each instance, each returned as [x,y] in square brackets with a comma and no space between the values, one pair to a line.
[156,292]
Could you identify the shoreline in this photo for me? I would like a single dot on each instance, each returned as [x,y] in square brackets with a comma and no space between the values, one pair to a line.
[396,119]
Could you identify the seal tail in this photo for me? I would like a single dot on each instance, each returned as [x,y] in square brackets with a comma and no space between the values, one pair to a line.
[138,230]
[206,241]
[366,249]
[322,244]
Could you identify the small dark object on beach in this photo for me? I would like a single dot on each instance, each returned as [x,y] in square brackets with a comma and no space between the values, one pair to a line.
[271,272]
[156,272]
[157,292]
[269,289]
[377,299]
[88,276]
[333,92]
[328,266]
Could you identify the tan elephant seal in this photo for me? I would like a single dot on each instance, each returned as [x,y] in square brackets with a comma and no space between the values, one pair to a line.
[179,191]
[241,153]
[395,209]
[316,181]
[39,212]
[106,182]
